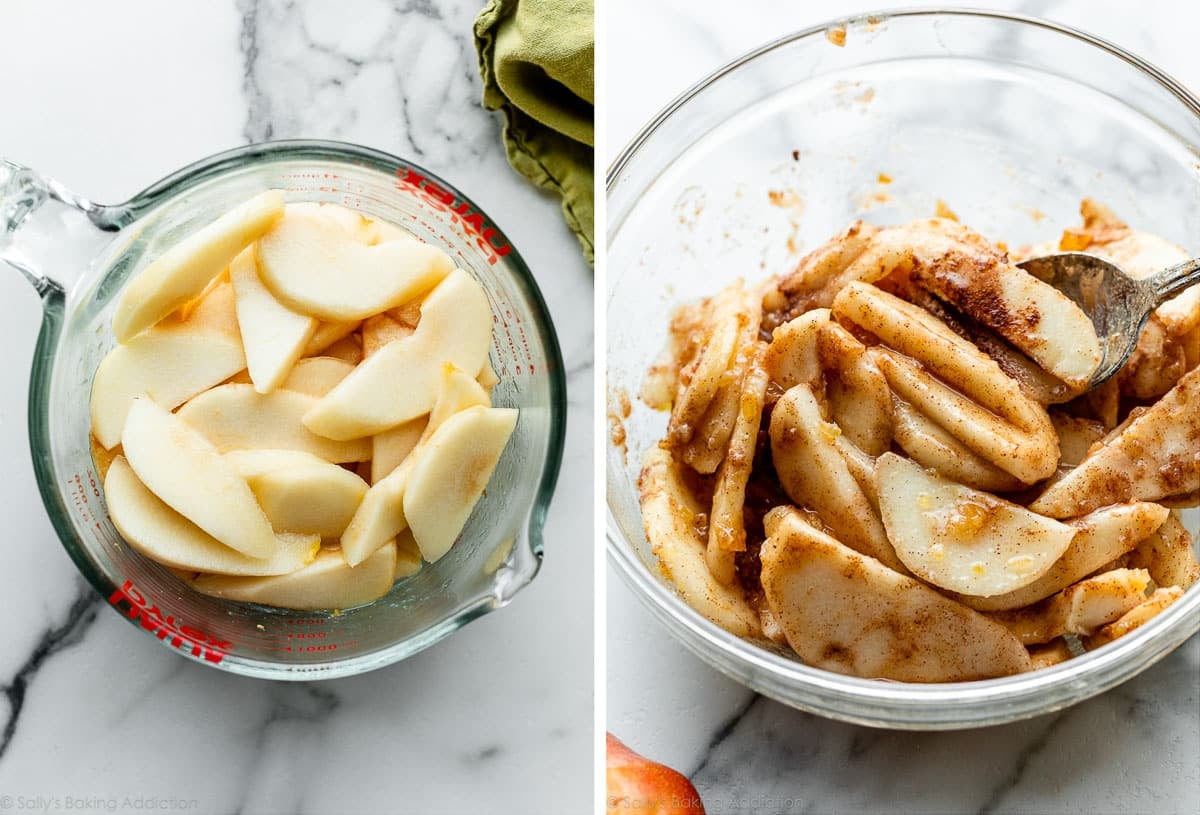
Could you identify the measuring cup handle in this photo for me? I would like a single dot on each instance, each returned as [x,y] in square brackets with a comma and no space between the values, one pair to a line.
[34,238]
[1170,282]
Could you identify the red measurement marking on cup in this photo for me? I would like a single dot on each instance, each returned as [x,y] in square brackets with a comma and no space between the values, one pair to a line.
[462,215]
[184,637]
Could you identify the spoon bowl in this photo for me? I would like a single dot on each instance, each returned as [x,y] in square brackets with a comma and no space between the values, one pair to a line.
[1119,305]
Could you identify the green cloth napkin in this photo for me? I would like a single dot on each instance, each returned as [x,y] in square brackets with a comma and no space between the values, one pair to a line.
[536,58]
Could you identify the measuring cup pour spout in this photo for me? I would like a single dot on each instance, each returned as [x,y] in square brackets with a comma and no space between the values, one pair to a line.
[34,238]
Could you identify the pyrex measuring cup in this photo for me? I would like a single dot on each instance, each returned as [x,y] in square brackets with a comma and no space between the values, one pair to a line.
[78,255]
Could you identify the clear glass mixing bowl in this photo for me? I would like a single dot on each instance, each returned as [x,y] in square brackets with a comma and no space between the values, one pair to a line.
[65,246]
[1010,121]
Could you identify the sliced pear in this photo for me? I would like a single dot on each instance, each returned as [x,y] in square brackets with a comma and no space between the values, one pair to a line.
[672,515]
[186,471]
[215,310]
[168,363]
[379,330]
[1078,609]
[1053,653]
[1101,537]
[1157,455]
[962,539]
[845,612]
[860,401]
[391,447]
[1136,617]
[408,555]
[358,226]
[823,272]
[1037,318]
[487,378]
[326,583]
[300,492]
[316,376]
[792,354]
[183,312]
[311,264]
[379,518]
[400,381]
[386,231]
[726,528]
[930,446]
[163,535]
[327,334]
[274,336]
[702,376]
[456,392]
[1075,436]
[451,473]
[814,474]
[182,272]
[1168,554]
[347,349]
[236,417]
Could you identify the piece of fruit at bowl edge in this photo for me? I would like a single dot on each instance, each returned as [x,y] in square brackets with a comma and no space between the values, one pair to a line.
[274,336]
[185,470]
[312,264]
[236,417]
[961,539]
[451,473]
[638,786]
[400,381]
[300,492]
[163,535]
[170,364]
[326,583]
[181,273]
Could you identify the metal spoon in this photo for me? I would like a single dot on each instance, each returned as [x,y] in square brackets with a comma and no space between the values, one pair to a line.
[1118,304]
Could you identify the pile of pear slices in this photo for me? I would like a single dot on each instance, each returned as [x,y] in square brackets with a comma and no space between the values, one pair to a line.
[298,409]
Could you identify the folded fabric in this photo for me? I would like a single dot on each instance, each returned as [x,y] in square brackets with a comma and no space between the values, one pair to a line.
[536,58]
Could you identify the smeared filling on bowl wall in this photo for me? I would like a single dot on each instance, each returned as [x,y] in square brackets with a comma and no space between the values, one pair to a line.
[297,412]
[888,460]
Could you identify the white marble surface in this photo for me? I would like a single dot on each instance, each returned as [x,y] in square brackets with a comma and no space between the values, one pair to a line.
[1133,750]
[109,97]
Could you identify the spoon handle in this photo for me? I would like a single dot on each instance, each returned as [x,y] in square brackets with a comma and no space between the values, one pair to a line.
[1174,279]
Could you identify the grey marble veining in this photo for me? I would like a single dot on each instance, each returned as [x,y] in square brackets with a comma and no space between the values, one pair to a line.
[97,717]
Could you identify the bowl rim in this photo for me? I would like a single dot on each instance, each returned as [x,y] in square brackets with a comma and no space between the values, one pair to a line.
[884,703]
[503,586]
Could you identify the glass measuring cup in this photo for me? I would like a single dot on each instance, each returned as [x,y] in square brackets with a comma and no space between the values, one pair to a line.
[79,254]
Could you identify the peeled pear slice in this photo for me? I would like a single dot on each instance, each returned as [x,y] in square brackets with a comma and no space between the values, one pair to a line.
[187,472]
[381,515]
[848,613]
[379,330]
[408,555]
[316,376]
[311,264]
[274,336]
[1100,538]
[182,272]
[487,378]
[236,417]
[300,492]
[385,231]
[391,447]
[163,535]
[962,539]
[671,515]
[170,364]
[451,473]
[792,355]
[1075,437]
[358,226]
[814,474]
[1136,617]
[214,310]
[347,349]
[1168,554]
[326,583]
[1157,455]
[327,334]
[1078,609]
[860,401]
[931,446]
[400,381]
[703,375]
